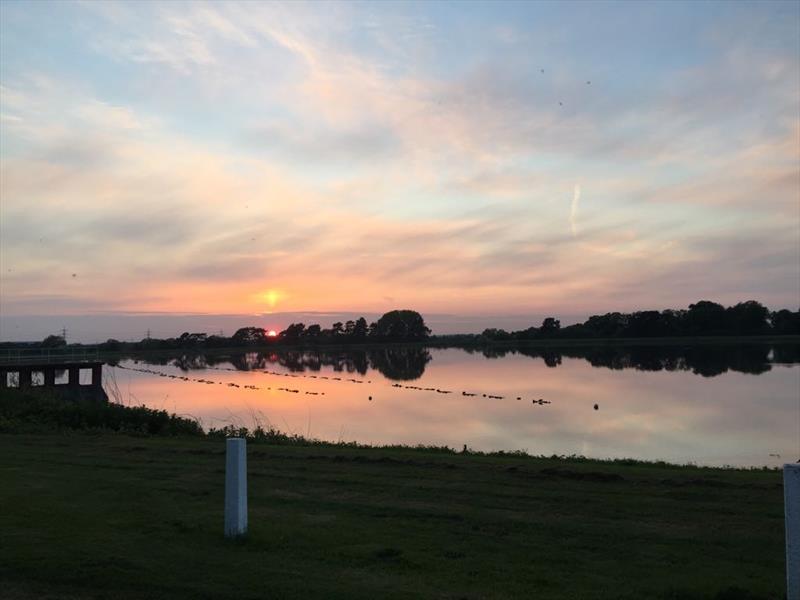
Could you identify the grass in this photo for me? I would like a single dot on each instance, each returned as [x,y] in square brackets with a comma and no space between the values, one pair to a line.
[111,515]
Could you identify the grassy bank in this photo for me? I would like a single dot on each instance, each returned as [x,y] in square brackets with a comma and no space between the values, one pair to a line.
[107,501]
[117,516]
[49,410]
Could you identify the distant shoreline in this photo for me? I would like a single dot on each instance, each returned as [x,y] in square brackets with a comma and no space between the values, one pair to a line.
[440,342]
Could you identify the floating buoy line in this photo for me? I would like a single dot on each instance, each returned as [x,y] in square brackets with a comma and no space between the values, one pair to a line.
[539,401]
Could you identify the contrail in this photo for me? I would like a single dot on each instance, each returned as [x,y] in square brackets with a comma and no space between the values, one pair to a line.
[573,209]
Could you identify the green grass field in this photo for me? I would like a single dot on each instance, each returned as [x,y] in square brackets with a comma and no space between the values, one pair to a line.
[115,516]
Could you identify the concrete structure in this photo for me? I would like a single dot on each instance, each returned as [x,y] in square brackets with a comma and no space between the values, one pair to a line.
[235,487]
[19,373]
[791,504]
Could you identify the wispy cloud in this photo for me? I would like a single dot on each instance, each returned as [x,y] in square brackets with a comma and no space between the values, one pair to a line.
[573,209]
[352,157]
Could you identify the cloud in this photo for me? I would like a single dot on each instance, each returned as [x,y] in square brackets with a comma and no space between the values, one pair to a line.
[298,143]
[573,210]
[245,147]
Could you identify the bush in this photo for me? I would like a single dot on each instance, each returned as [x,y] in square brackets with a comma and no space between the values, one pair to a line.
[40,411]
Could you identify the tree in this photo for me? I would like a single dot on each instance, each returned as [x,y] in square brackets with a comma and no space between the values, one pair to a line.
[217,341]
[786,322]
[360,329]
[550,327]
[349,327]
[705,318]
[192,339]
[645,323]
[54,341]
[111,344]
[524,334]
[336,328]
[496,334]
[247,336]
[607,325]
[401,325]
[293,332]
[312,332]
[747,318]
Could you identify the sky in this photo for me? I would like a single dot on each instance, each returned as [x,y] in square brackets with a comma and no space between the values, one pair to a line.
[477,162]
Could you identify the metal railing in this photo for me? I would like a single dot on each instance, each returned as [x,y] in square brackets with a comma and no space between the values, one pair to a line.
[48,355]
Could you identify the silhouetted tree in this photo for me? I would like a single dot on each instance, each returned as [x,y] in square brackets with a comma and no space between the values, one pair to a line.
[747,318]
[785,322]
[607,325]
[705,318]
[401,325]
[217,341]
[646,323]
[247,336]
[292,333]
[188,340]
[312,332]
[360,329]
[550,327]
[54,341]
[496,334]
[111,345]
[525,334]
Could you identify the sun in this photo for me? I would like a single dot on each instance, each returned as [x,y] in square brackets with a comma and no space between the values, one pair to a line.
[272,333]
[269,297]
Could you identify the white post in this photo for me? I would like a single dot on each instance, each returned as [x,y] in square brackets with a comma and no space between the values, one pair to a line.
[235,487]
[791,506]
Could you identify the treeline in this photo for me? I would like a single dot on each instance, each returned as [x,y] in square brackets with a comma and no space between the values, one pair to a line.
[394,326]
[703,318]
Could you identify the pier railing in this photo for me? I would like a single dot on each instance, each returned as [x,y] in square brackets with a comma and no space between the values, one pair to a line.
[48,356]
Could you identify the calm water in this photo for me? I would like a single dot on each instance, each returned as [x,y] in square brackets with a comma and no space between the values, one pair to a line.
[737,405]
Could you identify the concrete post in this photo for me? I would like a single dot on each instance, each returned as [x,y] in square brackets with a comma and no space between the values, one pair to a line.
[25,378]
[3,378]
[791,507]
[49,377]
[235,487]
[74,376]
[97,375]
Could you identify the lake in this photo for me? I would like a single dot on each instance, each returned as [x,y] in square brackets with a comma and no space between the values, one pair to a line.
[711,405]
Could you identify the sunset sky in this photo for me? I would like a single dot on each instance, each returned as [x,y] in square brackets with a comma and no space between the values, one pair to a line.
[459,159]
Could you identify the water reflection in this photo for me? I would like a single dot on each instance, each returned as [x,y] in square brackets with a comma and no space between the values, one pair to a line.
[706,360]
[406,363]
[612,401]
[396,363]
